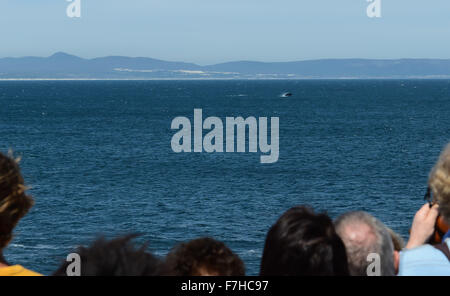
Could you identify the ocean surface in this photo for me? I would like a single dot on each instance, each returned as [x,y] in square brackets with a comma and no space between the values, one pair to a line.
[98,158]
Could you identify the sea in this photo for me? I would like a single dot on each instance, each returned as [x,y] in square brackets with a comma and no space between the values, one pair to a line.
[98,160]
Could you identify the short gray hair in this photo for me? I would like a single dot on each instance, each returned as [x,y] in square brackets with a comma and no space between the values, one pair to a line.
[357,252]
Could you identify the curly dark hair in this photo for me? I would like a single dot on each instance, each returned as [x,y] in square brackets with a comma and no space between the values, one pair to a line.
[203,256]
[14,203]
[117,257]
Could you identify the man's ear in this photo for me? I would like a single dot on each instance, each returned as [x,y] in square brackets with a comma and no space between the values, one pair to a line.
[396,261]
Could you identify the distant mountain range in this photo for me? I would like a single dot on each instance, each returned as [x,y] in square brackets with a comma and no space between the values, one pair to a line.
[65,66]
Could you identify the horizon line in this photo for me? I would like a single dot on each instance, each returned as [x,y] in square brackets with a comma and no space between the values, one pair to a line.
[225,79]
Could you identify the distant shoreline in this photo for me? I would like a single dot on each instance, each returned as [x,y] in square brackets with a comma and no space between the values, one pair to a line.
[63,66]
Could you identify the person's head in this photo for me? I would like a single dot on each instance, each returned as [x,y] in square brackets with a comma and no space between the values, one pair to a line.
[398,244]
[364,235]
[397,240]
[203,257]
[14,202]
[303,243]
[117,257]
[439,183]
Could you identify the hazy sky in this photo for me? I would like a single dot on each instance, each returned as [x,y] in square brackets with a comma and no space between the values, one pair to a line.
[212,31]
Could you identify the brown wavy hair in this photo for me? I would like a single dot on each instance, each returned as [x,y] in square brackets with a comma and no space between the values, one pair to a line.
[14,202]
[203,255]
[439,183]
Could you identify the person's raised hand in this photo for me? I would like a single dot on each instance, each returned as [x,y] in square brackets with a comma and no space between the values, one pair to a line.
[423,226]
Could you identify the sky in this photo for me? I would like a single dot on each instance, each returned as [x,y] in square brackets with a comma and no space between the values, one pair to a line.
[214,31]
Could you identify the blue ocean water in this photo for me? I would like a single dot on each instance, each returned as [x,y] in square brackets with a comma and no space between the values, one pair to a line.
[97,155]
